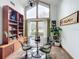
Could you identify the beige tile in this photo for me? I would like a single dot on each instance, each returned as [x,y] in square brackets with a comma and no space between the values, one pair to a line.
[59,53]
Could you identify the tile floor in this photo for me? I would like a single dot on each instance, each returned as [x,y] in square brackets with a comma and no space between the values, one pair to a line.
[20,54]
[56,53]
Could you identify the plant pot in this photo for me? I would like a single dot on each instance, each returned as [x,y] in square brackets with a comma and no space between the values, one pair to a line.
[57,43]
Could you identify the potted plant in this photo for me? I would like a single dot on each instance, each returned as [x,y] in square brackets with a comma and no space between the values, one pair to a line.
[56,31]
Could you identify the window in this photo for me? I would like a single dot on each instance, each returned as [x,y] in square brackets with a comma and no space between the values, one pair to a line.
[43,12]
[31,13]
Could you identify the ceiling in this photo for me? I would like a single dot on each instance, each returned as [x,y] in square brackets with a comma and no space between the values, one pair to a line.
[24,2]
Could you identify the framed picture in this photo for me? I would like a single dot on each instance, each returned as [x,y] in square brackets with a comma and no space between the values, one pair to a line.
[53,22]
[71,19]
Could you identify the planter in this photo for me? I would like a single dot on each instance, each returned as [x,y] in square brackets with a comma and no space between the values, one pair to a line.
[57,43]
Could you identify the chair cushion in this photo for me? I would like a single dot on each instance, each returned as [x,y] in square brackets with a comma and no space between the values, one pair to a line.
[45,49]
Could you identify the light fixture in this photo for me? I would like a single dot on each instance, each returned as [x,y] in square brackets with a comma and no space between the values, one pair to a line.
[32,2]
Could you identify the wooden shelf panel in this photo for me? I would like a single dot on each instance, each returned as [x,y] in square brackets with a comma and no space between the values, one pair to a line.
[12,21]
[14,24]
[12,30]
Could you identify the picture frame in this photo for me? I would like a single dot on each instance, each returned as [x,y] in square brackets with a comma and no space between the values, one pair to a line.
[70,19]
[53,22]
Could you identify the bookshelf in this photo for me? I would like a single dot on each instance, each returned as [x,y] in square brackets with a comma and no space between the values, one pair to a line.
[12,24]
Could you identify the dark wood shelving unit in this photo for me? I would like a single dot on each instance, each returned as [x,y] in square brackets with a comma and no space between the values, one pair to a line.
[12,24]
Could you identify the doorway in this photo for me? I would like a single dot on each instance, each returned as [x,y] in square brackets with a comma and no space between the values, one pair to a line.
[39,28]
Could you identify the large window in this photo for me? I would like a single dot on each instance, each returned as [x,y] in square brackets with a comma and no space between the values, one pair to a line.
[42,11]
[31,13]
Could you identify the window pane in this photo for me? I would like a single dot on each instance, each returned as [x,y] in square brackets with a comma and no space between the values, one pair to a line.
[31,13]
[42,28]
[31,28]
[43,12]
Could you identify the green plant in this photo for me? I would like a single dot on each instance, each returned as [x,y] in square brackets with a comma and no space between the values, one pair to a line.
[56,31]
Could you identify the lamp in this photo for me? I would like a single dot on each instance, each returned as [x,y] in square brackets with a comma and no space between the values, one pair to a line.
[32,2]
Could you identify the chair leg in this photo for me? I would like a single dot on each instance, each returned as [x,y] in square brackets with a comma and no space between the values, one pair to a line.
[26,55]
[46,56]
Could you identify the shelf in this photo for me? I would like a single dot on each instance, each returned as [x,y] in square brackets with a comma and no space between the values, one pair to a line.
[13,21]
[20,33]
[12,30]
[14,35]
[20,22]
[15,24]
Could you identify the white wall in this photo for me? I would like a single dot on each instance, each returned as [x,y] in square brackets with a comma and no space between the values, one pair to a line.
[17,7]
[53,10]
[67,7]
[70,34]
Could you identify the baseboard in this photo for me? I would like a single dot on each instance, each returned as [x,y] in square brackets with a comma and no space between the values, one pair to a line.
[67,52]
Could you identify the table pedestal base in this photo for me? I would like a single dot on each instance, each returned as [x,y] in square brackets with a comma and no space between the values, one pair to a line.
[36,55]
